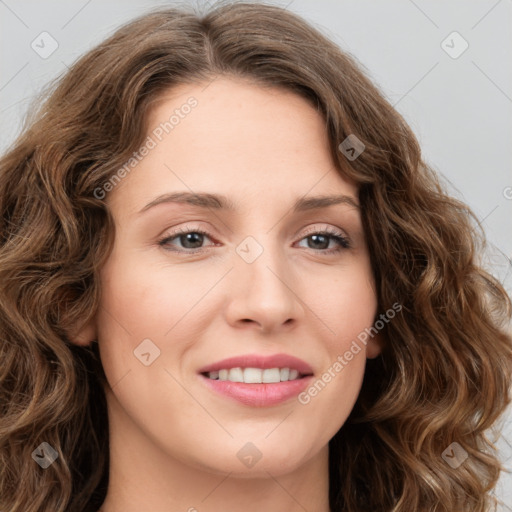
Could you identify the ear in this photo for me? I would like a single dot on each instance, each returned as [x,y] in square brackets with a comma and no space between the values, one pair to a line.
[374,346]
[84,335]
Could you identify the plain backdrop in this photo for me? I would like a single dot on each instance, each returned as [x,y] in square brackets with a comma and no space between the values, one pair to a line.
[443,65]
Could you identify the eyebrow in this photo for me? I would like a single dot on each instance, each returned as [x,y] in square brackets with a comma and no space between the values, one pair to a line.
[221,202]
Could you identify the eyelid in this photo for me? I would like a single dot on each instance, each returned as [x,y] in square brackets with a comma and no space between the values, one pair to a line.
[327,228]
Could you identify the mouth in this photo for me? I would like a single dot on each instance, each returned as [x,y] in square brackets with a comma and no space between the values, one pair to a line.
[258,380]
[252,375]
[257,394]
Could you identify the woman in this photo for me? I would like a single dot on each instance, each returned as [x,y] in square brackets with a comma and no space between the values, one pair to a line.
[229,282]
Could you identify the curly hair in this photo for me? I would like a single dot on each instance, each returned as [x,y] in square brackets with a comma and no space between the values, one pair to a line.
[444,374]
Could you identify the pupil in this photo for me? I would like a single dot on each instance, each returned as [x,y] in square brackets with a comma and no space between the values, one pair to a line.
[316,237]
[189,237]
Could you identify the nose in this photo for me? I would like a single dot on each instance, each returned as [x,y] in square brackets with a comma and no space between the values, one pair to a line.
[263,294]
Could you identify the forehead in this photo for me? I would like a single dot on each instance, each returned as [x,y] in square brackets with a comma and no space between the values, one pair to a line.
[238,139]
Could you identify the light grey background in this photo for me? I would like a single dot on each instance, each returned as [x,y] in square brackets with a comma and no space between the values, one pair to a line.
[460,108]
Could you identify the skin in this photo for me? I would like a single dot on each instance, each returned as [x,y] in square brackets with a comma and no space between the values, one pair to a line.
[174,442]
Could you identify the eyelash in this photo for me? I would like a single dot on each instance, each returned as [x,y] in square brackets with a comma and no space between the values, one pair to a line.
[341,240]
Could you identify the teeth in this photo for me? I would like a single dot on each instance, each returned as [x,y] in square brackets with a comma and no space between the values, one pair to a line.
[270,375]
[255,375]
[235,375]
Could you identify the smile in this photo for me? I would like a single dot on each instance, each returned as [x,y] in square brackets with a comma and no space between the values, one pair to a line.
[255,375]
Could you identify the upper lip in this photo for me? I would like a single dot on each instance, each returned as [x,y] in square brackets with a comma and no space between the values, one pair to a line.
[260,361]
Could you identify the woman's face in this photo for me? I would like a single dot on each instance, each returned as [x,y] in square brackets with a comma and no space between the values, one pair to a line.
[262,281]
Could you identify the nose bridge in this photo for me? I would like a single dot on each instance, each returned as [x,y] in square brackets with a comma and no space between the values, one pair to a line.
[264,289]
[261,251]
[260,259]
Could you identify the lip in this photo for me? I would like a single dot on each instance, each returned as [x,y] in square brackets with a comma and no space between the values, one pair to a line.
[258,395]
[260,361]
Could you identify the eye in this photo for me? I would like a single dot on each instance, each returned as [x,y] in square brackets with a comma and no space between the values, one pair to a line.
[320,240]
[192,239]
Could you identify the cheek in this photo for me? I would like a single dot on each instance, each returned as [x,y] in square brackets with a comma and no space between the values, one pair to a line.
[143,301]
[348,309]
[349,305]
[140,312]
[145,298]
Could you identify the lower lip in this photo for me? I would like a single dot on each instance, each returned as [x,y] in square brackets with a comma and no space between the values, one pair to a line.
[259,395]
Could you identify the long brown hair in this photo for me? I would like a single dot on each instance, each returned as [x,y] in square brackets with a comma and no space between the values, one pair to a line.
[444,374]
